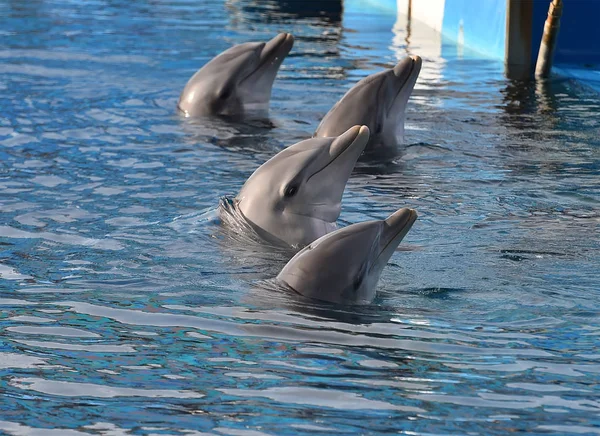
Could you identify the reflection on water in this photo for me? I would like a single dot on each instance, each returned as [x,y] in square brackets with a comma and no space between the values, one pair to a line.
[127,308]
[316,12]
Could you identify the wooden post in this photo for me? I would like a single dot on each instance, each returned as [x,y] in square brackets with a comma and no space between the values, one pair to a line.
[546,53]
[517,53]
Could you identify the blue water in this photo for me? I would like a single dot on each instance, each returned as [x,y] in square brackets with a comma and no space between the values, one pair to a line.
[126,309]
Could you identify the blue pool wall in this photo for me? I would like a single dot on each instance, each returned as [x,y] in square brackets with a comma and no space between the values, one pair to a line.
[579,35]
[481,26]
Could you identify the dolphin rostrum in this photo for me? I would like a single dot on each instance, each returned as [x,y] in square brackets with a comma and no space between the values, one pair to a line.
[344,266]
[295,197]
[377,101]
[238,81]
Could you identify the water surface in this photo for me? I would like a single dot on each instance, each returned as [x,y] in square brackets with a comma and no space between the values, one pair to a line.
[125,309]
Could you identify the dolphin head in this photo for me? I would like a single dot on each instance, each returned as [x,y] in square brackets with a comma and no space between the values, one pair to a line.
[237,81]
[378,101]
[344,266]
[295,197]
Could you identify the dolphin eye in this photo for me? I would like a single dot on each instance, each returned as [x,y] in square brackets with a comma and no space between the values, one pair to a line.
[290,191]
[225,93]
[378,128]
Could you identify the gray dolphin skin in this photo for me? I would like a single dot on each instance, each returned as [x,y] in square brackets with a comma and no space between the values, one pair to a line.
[344,266]
[295,197]
[377,101]
[236,82]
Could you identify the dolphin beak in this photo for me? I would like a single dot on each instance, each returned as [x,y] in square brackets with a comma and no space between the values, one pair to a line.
[417,60]
[407,69]
[404,76]
[356,136]
[332,168]
[396,226]
[354,139]
[277,48]
[400,221]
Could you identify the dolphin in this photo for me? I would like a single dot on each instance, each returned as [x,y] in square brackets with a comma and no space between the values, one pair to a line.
[236,82]
[377,101]
[344,266]
[295,197]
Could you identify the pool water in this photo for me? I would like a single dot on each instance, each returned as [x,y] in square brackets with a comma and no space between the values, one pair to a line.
[126,309]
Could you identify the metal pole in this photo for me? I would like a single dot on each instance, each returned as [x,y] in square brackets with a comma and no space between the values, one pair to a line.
[546,53]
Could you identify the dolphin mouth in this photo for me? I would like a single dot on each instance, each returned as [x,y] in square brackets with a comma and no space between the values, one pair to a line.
[406,72]
[274,50]
[360,137]
[408,68]
[396,226]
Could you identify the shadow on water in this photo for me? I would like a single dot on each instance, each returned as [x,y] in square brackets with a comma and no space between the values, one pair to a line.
[390,160]
[280,11]
[380,162]
[316,26]
[270,294]
[522,99]
[232,134]
[241,243]
[330,10]
[534,115]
